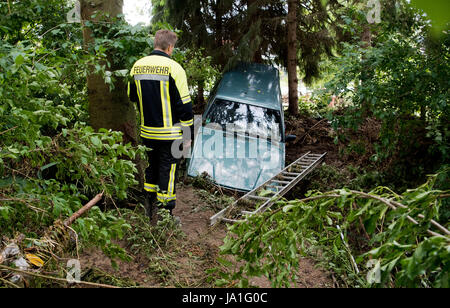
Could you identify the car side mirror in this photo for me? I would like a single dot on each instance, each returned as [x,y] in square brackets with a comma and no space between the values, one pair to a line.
[290,138]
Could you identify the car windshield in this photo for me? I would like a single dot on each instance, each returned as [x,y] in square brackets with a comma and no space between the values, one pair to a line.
[254,120]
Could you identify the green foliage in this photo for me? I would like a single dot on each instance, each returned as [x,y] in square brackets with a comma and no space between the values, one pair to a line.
[251,31]
[398,81]
[155,242]
[51,161]
[403,83]
[365,179]
[316,107]
[437,11]
[32,16]
[443,183]
[199,69]
[340,227]
[116,46]
[146,238]
[98,229]
[326,177]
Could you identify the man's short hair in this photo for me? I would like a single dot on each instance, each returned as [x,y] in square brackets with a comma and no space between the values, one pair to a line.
[164,38]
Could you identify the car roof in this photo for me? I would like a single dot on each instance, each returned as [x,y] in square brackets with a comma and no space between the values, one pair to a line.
[252,83]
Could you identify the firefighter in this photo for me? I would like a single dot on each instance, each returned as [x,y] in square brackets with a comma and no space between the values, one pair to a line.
[160,90]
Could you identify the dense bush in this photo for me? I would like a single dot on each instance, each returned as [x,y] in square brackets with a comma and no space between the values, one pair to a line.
[403,82]
[51,161]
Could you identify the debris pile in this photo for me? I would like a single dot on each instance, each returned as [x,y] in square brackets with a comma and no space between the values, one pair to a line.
[32,258]
[12,257]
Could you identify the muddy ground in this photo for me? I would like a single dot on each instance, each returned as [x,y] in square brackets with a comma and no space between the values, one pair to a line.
[184,262]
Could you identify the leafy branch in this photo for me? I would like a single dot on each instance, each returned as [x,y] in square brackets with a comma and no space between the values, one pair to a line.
[405,237]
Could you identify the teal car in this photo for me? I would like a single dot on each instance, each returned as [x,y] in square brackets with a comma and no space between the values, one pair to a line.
[241,143]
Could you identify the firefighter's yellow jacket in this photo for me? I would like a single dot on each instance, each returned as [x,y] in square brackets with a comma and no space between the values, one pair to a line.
[160,88]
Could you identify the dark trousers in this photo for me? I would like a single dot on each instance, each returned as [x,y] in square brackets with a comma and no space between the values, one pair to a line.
[161,173]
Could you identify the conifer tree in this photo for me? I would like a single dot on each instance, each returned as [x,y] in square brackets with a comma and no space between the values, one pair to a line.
[232,31]
[292,56]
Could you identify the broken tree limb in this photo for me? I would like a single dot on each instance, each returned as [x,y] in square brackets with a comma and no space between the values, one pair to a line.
[310,129]
[12,128]
[92,284]
[393,205]
[84,209]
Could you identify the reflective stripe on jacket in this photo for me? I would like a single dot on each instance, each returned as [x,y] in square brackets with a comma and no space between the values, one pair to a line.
[160,88]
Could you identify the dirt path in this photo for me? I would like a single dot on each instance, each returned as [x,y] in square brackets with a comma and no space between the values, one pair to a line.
[185,262]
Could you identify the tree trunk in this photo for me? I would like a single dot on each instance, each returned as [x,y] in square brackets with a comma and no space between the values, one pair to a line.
[366,37]
[253,16]
[258,56]
[200,94]
[366,43]
[110,109]
[292,56]
[221,61]
[107,109]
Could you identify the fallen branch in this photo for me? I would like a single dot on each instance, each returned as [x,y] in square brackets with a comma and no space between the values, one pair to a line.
[26,202]
[8,130]
[393,205]
[432,221]
[390,203]
[84,209]
[93,284]
[9,283]
[310,129]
